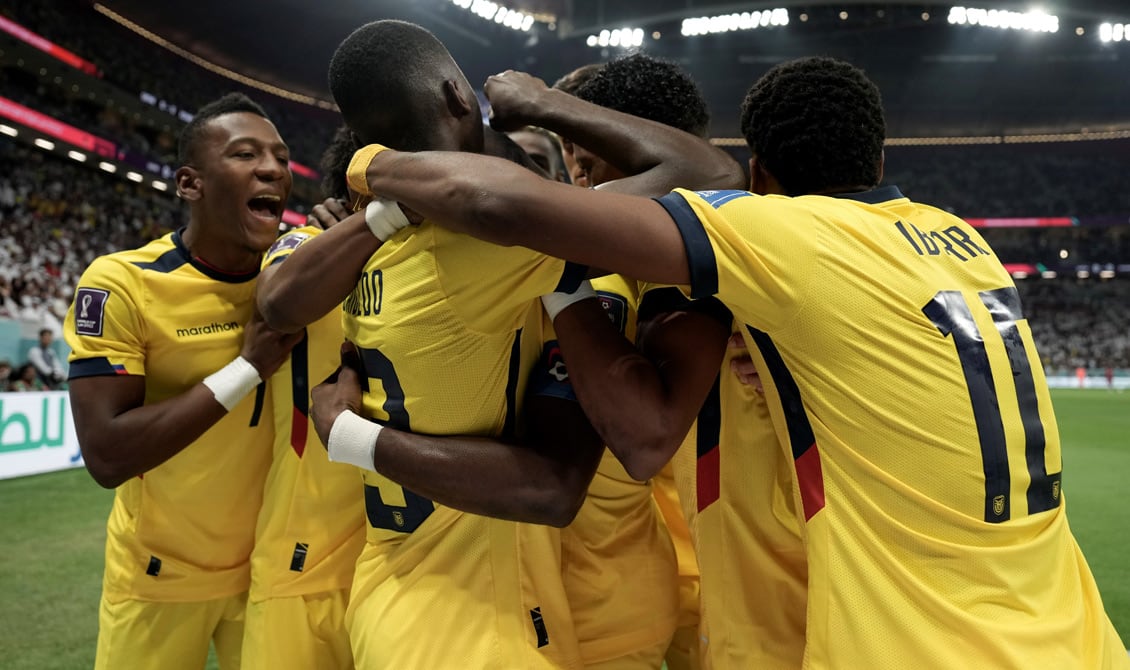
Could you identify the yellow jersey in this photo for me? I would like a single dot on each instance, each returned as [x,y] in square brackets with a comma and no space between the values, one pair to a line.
[904,385]
[184,530]
[753,609]
[448,329]
[312,523]
[619,565]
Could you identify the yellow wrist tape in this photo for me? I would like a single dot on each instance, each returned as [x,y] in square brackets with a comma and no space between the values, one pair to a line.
[358,165]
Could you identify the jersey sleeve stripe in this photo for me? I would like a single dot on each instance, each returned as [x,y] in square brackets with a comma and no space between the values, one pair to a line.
[802,441]
[708,432]
[300,392]
[165,263]
[94,367]
[571,277]
[508,428]
[669,299]
[700,253]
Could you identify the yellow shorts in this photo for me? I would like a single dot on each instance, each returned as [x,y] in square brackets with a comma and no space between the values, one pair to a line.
[138,634]
[462,592]
[298,632]
[644,659]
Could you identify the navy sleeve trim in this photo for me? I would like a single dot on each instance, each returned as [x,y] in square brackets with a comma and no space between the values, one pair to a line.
[670,299]
[572,277]
[94,367]
[700,253]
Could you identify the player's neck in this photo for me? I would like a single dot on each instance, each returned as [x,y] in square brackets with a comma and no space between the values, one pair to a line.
[219,254]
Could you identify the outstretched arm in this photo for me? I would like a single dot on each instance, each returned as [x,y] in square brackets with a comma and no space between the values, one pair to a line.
[543,479]
[658,157]
[497,201]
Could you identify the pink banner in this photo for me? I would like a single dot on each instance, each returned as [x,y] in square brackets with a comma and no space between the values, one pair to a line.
[1030,222]
[57,129]
[303,171]
[50,48]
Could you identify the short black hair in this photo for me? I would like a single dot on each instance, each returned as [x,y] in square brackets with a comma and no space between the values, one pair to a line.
[335,162]
[231,103]
[384,78]
[570,82]
[46,330]
[816,124]
[652,89]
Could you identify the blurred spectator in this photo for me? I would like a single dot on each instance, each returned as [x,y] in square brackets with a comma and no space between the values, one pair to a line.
[1078,323]
[46,362]
[27,380]
[5,375]
[49,232]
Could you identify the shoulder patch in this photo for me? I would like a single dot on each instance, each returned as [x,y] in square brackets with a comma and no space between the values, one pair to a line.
[718,198]
[288,242]
[616,307]
[90,310]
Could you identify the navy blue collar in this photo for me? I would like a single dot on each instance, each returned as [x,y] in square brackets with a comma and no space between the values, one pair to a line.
[874,196]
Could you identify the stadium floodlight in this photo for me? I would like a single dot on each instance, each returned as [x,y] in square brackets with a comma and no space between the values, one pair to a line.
[108,167]
[160,185]
[1114,32]
[1106,274]
[1036,20]
[76,156]
[135,176]
[8,130]
[44,144]
[1048,274]
[625,38]
[724,23]
[492,11]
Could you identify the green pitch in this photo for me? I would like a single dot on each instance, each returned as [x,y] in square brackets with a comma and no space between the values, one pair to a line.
[54,530]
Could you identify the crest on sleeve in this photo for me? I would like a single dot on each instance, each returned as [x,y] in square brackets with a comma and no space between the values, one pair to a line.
[616,307]
[90,311]
[288,242]
[551,378]
[718,198]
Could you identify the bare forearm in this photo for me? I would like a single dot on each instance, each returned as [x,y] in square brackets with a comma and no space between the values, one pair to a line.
[484,476]
[638,146]
[497,201]
[317,277]
[138,440]
[624,395]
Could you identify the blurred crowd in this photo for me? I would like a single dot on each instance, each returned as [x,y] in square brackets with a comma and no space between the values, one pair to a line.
[1079,323]
[55,218]
[136,65]
[1016,180]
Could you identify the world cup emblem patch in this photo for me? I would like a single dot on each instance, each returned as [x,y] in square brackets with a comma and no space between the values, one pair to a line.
[90,310]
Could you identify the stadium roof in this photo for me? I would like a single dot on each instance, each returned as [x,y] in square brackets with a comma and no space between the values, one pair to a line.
[937,78]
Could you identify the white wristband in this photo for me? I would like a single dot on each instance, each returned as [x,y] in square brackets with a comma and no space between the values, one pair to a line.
[353,440]
[554,303]
[384,218]
[233,382]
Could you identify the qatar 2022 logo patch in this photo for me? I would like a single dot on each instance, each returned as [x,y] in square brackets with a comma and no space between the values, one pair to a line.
[90,311]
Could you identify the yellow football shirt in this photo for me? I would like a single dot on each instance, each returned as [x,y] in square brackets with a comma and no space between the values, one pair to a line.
[903,379]
[619,564]
[184,530]
[753,609]
[312,523]
[448,329]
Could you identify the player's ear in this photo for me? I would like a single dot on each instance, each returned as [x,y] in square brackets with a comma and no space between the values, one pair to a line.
[761,181]
[188,183]
[457,102]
